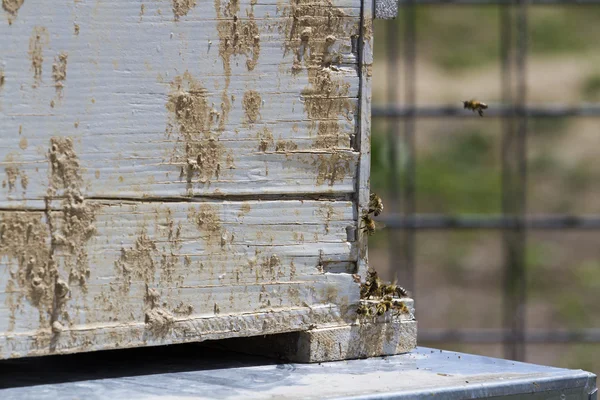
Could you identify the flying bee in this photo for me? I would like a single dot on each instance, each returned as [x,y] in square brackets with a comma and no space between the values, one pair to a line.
[475,106]
[369,224]
[375,204]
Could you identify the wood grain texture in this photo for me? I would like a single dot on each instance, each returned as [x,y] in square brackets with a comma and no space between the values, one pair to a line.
[154,97]
[363,339]
[151,264]
[363,186]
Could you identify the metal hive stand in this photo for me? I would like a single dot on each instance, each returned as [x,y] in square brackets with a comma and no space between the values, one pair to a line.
[197,372]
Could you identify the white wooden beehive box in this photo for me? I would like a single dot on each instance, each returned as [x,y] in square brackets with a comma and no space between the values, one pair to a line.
[185,170]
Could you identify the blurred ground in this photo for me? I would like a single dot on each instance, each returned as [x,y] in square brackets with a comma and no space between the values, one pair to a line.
[459,274]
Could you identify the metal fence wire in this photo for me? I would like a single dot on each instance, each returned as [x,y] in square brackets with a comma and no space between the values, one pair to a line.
[514,221]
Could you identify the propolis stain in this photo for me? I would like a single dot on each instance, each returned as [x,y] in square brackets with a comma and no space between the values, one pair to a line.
[39,38]
[196,122]
[181,7]
[311,29]
[12,8]
[252,103]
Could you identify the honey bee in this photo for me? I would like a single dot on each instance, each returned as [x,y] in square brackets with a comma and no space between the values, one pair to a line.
[365,310]
[384,305]
[371,288]
[381,308]
[400,308]
[393,289]
[375,204]
[370,225]
[397,290]
[475,106]
[371,275]
[370,284]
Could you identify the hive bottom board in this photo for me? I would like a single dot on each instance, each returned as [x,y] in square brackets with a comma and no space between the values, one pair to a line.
[195,372]
[336,340]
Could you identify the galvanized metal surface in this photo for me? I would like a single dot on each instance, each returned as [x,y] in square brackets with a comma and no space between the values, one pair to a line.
[195,372]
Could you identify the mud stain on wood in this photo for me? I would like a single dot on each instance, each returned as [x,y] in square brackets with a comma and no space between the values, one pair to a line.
[42,245]
[237,37]
[271,265]
[332,168]
[285,146]
[252,103]
[180,8]
[13,174]
[327,212]
[159,322]
[25,245]
[59,72]
[39,38]
[325,102]
[244,209]
[195,120]
[136,263]
[207,220]
[265,139]
[311,29]
[12,8]
[74,226]
[151,263]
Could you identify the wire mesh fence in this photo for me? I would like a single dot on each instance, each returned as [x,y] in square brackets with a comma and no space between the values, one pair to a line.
[515,222]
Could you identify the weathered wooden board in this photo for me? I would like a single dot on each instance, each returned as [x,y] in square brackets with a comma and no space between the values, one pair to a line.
[94,265]
[180,98]
[364,138]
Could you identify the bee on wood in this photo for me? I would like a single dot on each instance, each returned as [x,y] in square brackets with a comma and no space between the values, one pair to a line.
[370,225]
[370,284]
[401,308]
[365,310]
[384,305]
[371,288]
[371,275]
[475,106]
[375,204]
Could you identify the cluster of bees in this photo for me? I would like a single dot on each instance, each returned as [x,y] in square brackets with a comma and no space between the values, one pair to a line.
[386,296]
[375,208]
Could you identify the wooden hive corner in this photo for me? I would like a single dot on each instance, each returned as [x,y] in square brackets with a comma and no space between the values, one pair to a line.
[365,337]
